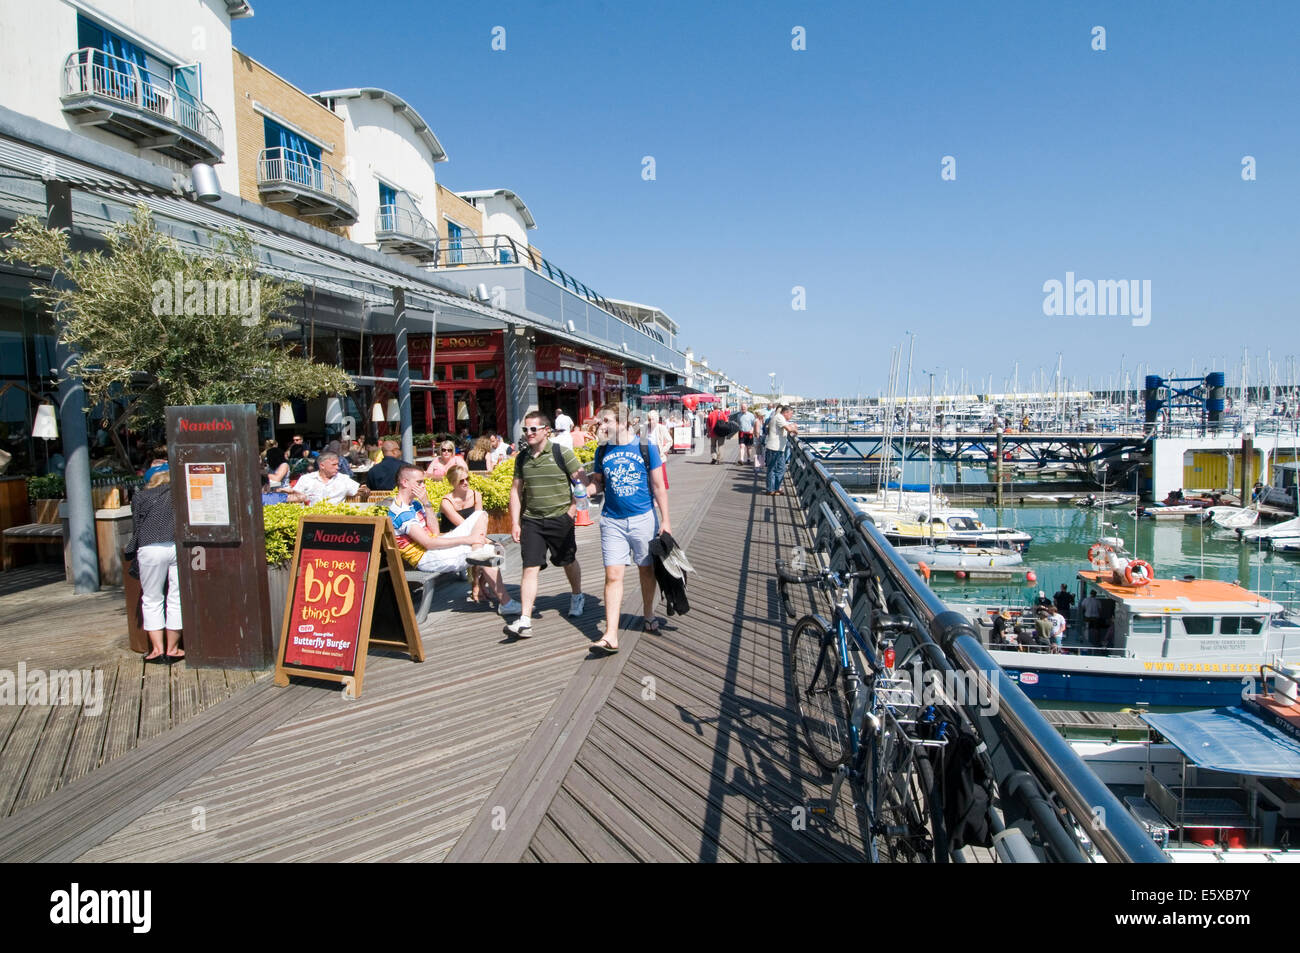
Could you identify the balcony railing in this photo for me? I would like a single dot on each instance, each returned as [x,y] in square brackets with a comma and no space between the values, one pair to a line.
[503,250]
[406,232]
[140,104]
[311,186]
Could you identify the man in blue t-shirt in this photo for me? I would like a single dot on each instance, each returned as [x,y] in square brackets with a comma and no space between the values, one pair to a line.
[632,478]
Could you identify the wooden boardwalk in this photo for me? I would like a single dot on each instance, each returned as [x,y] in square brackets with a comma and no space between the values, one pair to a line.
[45,627]
[681,747]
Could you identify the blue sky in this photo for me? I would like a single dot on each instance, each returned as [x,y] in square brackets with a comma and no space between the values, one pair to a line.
[820,168]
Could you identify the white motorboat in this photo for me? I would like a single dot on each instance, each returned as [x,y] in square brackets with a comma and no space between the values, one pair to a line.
[1221,785]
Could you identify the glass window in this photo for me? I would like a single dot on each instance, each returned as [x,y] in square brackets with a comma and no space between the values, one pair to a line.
[1148,625]
[1198,625]
[1241,625]
[440,372]
[485,372]
[460,372]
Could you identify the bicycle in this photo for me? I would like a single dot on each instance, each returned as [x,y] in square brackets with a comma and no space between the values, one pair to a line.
[866,725]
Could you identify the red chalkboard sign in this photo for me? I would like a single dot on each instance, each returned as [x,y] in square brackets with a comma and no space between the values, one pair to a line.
[338,566]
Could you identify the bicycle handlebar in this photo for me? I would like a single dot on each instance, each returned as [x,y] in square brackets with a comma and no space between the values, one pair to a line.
[787,575]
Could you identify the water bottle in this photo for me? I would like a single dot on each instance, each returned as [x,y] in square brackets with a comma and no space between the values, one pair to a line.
[579,495]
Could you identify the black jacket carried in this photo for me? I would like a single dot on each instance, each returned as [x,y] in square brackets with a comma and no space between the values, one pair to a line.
[671,567]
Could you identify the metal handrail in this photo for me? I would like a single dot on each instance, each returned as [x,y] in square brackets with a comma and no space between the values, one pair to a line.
[280,165]
[94,72]
[504,250]
[405,223]
[951,642]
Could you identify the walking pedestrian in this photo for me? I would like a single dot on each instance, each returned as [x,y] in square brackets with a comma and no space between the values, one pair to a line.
[716,443]
[746,423]
[628,470]
[541,516]
[779,428]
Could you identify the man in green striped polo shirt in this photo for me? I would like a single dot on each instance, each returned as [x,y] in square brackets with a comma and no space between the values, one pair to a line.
[541,517]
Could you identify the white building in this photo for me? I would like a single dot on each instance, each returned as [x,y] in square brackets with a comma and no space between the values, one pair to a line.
[391,154]
[152,78]
[504,213]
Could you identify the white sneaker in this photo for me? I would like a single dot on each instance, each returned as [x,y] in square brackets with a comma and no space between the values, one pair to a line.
[575,604]
[511,607]
[521,627]
[484,556]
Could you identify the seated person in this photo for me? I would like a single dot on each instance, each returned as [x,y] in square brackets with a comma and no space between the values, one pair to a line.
[499,451]
[478,455]
[444,458]
[277,466]
[467,544]
[1004,632]
[327,484]
[336,447]
[270,497]
[383,475]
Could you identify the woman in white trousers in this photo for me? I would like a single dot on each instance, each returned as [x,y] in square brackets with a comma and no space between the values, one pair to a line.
[160,602]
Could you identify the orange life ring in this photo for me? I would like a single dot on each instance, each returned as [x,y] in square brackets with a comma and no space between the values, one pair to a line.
[1096,550]
[1142,580]
[924,570]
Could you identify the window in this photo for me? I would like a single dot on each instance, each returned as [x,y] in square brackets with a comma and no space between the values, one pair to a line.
[1241,625]
[387,207]
[453,243]
[295,158]
[118,66]
[485,372]
[1198,625]
[1148,625]
[460,372]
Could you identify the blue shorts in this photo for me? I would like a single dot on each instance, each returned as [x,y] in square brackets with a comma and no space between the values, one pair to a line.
[624,541]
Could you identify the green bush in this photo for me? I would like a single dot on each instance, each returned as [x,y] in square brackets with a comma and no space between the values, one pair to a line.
[280,523]
[46,487]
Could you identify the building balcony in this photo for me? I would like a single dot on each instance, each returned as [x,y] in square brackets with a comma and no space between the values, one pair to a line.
[313,188]
[99,89]
[402,231]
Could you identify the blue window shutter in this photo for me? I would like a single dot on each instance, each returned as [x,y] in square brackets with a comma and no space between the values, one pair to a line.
[301,159]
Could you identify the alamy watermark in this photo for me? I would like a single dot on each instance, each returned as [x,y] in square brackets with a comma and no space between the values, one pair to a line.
[1129,298]
[77,687]
[212,298]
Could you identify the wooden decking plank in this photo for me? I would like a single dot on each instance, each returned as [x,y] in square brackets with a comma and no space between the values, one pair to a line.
[124,710]
[671,760]
[155,701]
[593,840]
[64,825]
[87,748]
[18,751]
[549,845]
[46,770]
[184,693]
[602,796]
[212,687]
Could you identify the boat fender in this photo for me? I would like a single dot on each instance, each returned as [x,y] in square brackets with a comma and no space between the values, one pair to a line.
[1031,576]
[1140,578]
[924,570]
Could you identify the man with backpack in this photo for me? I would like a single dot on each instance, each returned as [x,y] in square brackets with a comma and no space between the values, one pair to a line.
[541,516]
[628,470]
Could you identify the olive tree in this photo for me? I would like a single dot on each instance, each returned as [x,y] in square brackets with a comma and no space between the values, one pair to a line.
[153,326]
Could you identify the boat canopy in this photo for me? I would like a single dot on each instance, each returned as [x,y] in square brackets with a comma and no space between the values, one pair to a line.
[1232,740]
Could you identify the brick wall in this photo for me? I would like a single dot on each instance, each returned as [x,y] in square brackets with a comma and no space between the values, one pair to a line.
[254,83]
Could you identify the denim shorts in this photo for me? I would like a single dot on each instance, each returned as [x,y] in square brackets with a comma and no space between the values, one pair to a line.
[624,541]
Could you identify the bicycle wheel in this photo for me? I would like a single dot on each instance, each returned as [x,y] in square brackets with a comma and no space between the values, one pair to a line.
[909,825]
[823,706]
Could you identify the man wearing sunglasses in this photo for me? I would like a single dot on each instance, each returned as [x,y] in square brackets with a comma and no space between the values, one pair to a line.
[541,516]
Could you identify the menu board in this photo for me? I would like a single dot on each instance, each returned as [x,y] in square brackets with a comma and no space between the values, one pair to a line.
[329,593]
[682,438]
[337,565]
[206,493]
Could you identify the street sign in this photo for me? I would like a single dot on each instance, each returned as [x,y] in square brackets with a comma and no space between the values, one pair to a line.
[722,389]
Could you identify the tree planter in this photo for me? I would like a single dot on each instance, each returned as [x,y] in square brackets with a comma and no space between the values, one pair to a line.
[498,521]
[279,579]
